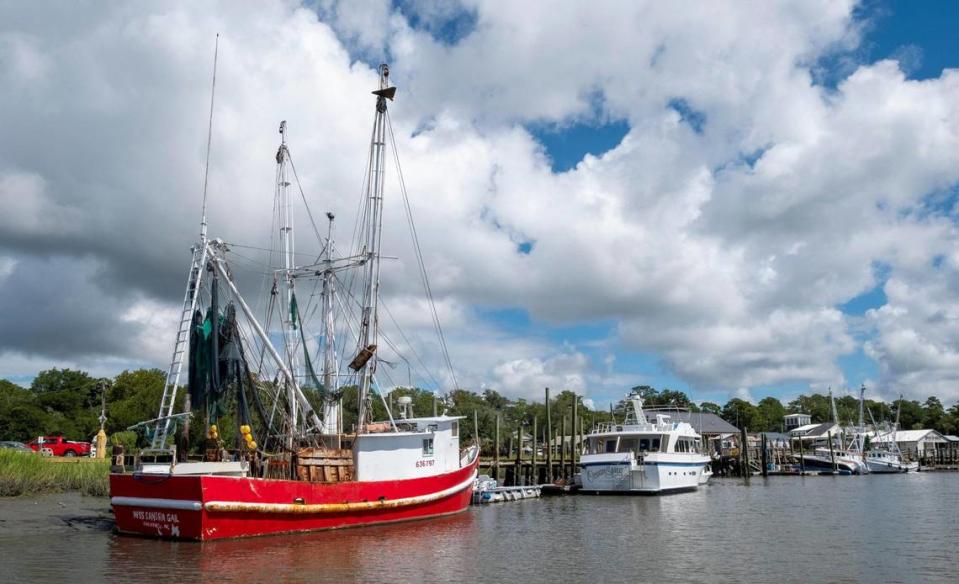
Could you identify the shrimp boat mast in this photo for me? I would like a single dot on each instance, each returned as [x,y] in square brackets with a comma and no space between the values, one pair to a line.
[290,467]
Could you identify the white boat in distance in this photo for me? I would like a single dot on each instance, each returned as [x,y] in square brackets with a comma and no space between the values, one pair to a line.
[639,456]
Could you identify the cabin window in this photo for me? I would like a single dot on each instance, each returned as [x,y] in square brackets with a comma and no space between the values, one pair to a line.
[644,444]
[456,429]
[427,447]
[654,447]
[627,445]
[611,446]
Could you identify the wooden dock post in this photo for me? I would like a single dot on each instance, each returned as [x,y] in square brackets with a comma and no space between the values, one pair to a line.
[832,454]
[562,449]
[509,453]
[476,437]
[496,450]
[802,457]
[549,445]
[764,455]
[743,453]
[518,469]
[572,450]
[532,460]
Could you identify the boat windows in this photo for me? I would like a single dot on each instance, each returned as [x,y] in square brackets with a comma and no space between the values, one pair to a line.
[456,429]
[644,444]
[611,445]
[627,445]
[654,447]
[427,447]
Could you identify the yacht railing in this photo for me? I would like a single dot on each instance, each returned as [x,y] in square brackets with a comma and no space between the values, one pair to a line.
[611,427]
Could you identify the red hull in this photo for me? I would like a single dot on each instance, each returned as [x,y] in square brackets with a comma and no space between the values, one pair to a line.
[212,507]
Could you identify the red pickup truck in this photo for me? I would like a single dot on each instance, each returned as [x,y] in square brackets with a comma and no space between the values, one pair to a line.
[60,447]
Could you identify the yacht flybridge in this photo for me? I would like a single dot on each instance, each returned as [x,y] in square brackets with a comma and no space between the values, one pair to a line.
[642,456]
[289,465]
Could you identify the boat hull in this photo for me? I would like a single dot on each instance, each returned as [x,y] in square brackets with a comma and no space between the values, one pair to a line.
[890,467]
[646,478]
[205,507]
[824,464]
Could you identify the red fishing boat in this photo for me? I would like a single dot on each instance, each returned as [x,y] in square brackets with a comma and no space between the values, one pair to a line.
[284,463]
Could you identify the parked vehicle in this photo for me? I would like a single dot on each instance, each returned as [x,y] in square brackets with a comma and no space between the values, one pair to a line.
[12,445]
[58,446]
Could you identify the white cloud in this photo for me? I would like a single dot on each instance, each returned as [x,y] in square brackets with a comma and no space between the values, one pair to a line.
[729,271]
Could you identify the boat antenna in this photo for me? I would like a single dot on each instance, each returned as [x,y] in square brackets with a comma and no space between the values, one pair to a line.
[209,140]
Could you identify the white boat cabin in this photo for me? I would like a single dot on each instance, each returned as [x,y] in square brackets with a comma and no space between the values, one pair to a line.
[415,448]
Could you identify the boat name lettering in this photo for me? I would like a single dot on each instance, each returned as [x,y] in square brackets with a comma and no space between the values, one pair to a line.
[156,516]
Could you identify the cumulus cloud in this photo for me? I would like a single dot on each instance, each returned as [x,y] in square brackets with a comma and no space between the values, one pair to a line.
[722,246]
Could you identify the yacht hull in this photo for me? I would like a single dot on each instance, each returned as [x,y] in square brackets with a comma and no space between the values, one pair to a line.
[642,478]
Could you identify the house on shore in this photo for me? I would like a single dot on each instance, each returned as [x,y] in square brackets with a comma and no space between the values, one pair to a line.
[914,443]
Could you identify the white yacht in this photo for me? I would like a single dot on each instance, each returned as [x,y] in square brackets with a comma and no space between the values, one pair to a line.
[639,456]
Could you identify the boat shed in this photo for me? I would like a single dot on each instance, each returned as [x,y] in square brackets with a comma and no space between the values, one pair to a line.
[916,442]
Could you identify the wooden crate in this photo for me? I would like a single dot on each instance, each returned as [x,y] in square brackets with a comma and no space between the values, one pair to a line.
[324,465]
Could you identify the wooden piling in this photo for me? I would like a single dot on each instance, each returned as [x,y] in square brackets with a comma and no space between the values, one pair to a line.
[509,453]
[764,456]
[562,450]
[549,446]
[519,454]
[476,436]
[832,454]
[743,453]
[802,457]
[572,452]
[532,461]
[496,450]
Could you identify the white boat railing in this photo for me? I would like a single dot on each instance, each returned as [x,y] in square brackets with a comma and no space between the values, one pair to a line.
[611,428]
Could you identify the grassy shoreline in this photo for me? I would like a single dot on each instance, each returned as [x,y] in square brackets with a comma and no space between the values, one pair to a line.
[23,473]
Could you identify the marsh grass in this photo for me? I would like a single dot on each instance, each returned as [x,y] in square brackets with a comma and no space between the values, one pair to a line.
[24,473]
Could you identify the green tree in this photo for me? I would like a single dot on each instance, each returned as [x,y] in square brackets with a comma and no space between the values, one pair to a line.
[742,414]
[71,399]
[711,408]
[816,405]
[769,415]
[910,415]
[21,417]
[934,415]
[135,396]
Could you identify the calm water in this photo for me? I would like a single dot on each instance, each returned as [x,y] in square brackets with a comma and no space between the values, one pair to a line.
[814,529]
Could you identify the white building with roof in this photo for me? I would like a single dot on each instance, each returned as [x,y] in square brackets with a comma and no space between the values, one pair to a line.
[914,442]
[794,421]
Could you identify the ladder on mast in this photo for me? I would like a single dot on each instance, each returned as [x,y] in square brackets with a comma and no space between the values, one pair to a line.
[180,347]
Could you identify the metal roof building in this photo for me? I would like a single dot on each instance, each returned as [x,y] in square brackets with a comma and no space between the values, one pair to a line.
[704,423]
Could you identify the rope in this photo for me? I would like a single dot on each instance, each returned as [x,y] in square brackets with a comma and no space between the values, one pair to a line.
[419,256]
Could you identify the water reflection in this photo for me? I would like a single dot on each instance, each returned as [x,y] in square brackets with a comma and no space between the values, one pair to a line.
[893,528]
[427,551]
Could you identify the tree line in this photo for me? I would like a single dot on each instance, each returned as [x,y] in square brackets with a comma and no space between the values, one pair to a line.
[68,402]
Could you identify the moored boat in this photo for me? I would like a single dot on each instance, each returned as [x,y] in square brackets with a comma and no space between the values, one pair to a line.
[289,466]
[642,456]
